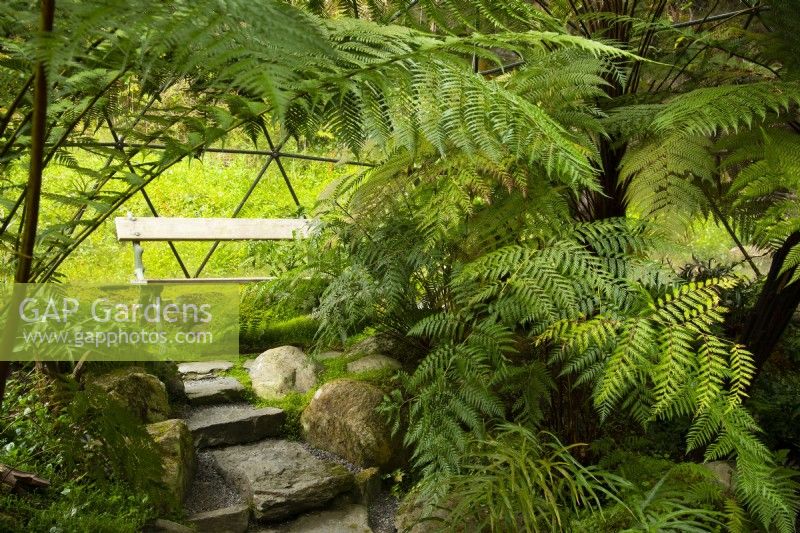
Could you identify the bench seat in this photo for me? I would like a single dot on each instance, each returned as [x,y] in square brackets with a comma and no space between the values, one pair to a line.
[141,229]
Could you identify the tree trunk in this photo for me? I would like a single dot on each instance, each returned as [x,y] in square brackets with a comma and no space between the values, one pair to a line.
[776,304]
[610,203]
[33,194]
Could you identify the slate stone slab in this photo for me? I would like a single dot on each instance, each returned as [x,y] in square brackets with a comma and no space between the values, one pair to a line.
[233,519]
[221,425]
[347,519]
[281,478]
[214,390]
[203,369]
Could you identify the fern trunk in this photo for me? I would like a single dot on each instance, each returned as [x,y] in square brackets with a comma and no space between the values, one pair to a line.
[773,311]
[33,193]
[611,202]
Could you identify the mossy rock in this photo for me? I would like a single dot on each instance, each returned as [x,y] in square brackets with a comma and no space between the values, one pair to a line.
[342,419]
[374,344]
[143,394]
[175,445]
[414,515]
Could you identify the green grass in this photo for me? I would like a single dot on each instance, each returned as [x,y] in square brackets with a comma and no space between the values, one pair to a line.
[266,334]
[208,187]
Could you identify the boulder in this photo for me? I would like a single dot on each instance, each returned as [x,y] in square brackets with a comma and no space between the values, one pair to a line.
[174,443]
[233,424]
[345,519]
[414,516]
[373,344]
[280,371]
[282,478]
[234,519]
[203,369]
[214,390]
[342,419]
[372,362]
[143,394]
[723,472]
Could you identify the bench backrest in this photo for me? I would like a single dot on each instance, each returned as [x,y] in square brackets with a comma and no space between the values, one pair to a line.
[211,229]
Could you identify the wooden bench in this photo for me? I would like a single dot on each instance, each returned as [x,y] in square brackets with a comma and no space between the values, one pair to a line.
[140,229]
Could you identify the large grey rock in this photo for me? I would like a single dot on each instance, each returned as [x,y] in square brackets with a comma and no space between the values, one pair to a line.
[280,371]
[723,472]
[143,394]
[342,419]
[203,369]
[372,362]
[174,443]
[281,478]
[346,519]
[374,344]
[214,390]
[233,424]
[234,519]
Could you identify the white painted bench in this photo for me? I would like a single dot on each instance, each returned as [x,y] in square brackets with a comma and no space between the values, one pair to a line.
[140,229]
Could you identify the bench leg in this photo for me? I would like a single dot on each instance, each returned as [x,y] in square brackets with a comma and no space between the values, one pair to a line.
[138,265]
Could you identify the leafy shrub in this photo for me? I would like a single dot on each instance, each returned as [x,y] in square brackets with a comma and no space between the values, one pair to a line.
[521,481]
[77,507]
[101,463]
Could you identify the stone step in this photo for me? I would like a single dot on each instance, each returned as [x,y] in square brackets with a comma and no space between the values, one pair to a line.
[214,390]
[233,519]
[212,504]
[203,369]
[282,479]
[350,518]
[225,425]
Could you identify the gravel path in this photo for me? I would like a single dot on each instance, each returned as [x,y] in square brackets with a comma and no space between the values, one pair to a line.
[209,490]
[382,510]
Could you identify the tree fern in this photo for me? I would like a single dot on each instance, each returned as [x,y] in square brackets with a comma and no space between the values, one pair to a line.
[369,83]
